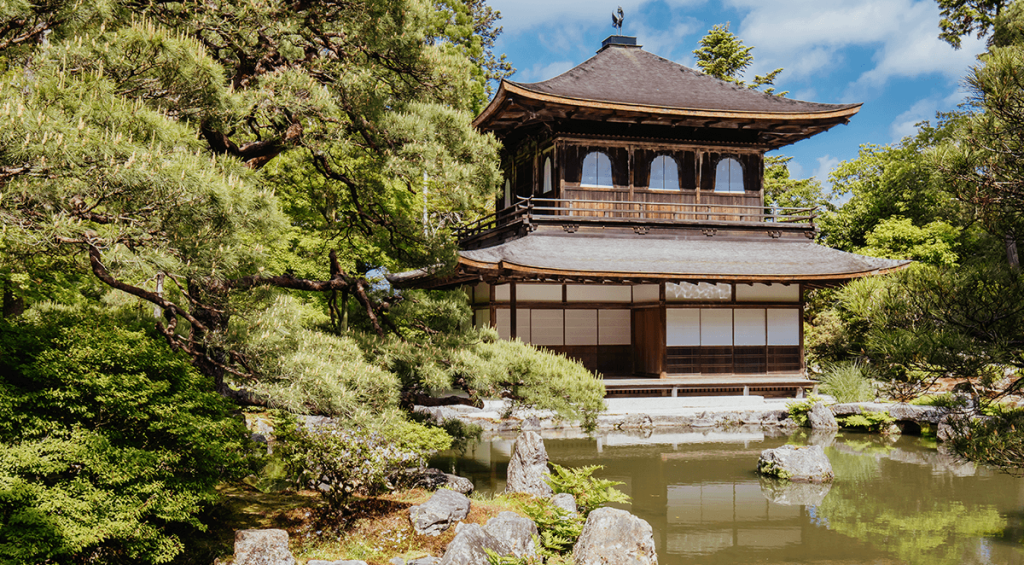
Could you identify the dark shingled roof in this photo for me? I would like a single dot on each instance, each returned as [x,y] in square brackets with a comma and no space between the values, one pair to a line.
[630,75]
[706,259]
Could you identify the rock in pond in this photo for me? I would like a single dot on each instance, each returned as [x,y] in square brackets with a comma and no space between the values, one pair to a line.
[615,536]
[528,465]
[821,418]
[262,547]
[439,513]
[794,494]
[798,464]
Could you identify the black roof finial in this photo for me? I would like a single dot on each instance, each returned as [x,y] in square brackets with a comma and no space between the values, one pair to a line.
[617,20]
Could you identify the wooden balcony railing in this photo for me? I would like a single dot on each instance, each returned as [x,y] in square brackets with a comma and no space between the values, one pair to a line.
[615,211]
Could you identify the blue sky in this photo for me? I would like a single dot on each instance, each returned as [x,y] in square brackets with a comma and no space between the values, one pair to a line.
[883,53]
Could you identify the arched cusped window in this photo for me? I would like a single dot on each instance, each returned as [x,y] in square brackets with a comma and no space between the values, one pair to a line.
[729,176]
[546,186]
[597,170]
[664,173]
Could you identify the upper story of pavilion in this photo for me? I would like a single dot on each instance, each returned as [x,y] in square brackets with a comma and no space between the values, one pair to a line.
[629,139]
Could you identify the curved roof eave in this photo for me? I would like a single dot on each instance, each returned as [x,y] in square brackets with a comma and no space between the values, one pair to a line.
[507,87]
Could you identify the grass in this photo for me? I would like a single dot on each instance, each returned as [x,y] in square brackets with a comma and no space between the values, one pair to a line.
[847,382]
[377,530]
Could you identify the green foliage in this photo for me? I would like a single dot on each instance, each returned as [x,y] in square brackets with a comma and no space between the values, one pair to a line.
[722,55]
[110,444]
[897,186]
[871,421]
[933,322]
[771,469]
[798,409]
[780,190]
[590,492]
[307,371]
[558,528]
[477,362]
[898,238]
[847,382]
[338,463]
[964,17]
[995,441]
[417,438]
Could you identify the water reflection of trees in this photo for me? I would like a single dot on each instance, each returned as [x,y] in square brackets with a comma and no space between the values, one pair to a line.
[908,514]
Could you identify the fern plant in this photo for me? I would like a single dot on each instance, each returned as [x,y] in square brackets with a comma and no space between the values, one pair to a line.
[590,492]
[871,421]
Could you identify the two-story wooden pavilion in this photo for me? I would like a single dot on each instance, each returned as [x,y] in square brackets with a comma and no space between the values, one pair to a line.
[633,235]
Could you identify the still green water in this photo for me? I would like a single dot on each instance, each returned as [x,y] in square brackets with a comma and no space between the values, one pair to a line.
[892,501]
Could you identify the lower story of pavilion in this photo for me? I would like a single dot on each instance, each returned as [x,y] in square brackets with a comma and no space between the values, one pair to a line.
[664,338]
[663,314]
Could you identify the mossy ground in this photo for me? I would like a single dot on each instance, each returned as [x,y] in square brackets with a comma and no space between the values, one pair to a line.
[376,530]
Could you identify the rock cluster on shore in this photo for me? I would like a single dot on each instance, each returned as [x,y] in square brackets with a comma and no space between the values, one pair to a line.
[609,535]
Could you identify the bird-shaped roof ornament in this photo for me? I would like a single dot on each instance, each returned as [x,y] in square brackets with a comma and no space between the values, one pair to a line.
[617,20]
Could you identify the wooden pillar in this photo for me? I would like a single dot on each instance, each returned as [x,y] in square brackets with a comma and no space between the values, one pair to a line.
[803,360]
[512,318]
[699,157]
[662,332]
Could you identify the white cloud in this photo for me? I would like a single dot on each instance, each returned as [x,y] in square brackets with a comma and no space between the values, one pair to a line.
[905,124]
[825,165]
[807,38]
[666,42]
[796,170]
[538,73]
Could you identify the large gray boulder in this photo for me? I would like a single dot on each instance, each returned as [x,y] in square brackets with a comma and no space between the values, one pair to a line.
[439,513]
[339,562]
[528,465]
[794,494]
[798,464]
[612,536]
[468,546]
[262,547]
[515,531]
[821,418]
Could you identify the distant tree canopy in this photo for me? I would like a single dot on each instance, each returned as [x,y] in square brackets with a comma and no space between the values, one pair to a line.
[951,199]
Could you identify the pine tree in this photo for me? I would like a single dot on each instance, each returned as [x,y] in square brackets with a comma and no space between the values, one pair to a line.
[722,55]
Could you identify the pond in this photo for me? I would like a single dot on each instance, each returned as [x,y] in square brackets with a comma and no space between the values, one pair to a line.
[893,501]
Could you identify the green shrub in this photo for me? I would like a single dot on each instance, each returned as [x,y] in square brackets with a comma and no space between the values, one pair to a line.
[111,445]
[870,421]
[848,382]
[338,463]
